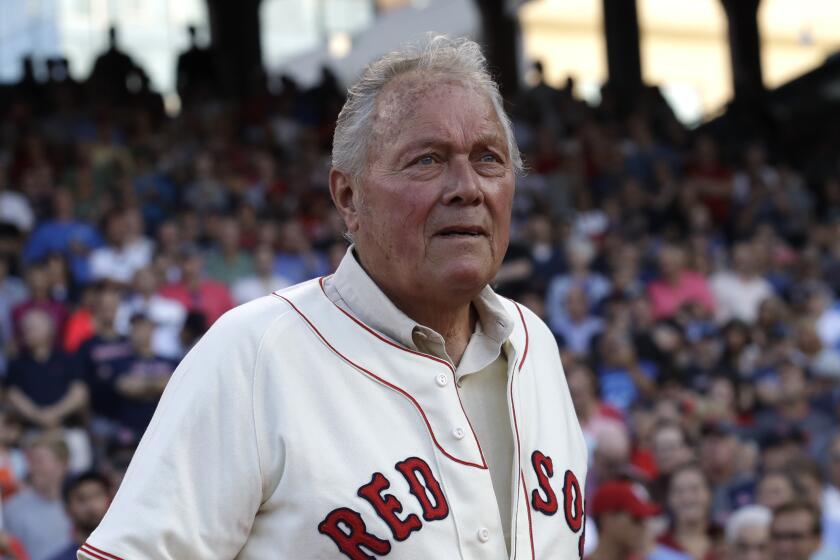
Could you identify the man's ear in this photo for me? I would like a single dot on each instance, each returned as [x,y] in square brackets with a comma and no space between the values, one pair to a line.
[342,190]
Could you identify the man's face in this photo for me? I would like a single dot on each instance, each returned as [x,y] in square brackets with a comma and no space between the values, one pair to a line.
[45,468]
[669,448]
[793,536]
[774,490]
[87,504]
[751,543]
[580,386]
[625,530]
[435,199]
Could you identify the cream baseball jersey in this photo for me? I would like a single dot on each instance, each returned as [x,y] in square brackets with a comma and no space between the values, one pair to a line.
[295,431]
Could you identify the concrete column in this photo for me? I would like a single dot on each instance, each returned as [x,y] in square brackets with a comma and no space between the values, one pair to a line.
[235,34]
[621,31]
[500,41]
[745,50]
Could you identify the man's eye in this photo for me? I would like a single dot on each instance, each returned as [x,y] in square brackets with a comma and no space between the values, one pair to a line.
[428,159]
[490,158]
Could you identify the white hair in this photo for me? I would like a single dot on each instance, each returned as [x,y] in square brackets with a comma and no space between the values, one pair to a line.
[459,58]
[747,516]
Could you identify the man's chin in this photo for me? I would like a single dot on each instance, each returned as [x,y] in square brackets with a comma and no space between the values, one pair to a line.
[466,278]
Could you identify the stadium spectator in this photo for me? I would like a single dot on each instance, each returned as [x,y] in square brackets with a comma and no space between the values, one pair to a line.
[720,447]
[579,254]
[623,376]
[677,285]
[41,299]
[195,74]
[66,235]
[14,207]
[739,292]
[80,325]
[671,450]
[228,262]
[796,533]
[297,259]
[166,314]
[43,384]
[96,355]
[206,194]
[126,250]
[748,533]
[264,280]
[112,72]
[140,378]
[794,410]
[620,511]
[36,515]
[86,498]
[576,326]
[774,489]
[197,293]
[689,502]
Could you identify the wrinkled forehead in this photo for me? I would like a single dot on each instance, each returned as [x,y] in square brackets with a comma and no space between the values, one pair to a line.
[408,96]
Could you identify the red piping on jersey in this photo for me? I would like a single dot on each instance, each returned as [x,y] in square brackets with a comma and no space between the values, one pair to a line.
[528,509]
[483,466]
[379,336]
[516,428]
[525,353]
[321,281]
[97,553]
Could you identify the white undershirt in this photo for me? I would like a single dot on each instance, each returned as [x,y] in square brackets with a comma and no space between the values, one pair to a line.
[481,374]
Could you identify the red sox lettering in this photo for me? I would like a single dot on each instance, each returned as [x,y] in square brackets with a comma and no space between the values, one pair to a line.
[544,500]
[348,531]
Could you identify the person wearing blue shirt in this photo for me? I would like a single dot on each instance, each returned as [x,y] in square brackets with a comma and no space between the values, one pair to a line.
[140,378]
[66,235]
[86,499]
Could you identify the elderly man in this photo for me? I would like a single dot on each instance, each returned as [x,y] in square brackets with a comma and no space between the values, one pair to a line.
[398,408]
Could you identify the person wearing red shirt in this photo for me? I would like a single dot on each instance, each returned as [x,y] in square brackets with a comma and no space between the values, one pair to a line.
[197,293]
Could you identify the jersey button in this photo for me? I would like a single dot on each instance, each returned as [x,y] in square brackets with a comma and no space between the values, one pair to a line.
[441,380]
[458,433]
[484,534]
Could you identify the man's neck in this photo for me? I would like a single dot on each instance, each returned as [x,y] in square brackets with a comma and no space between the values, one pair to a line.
[454,324]
[454,319]
[42,352]
[49,492]
[691,529]
[608,550]
[80,535]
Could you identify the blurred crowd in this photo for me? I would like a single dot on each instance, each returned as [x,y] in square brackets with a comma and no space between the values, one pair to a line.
[692,287]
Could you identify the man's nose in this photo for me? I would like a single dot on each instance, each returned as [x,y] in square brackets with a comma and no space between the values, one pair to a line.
[463,184]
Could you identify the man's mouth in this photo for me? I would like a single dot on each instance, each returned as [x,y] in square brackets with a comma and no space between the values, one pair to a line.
[462,231]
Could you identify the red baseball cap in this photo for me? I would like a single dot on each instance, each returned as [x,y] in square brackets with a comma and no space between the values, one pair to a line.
[622,496]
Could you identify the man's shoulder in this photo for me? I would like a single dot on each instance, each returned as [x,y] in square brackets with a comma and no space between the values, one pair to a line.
[523,317]
[271,312]
[255,316]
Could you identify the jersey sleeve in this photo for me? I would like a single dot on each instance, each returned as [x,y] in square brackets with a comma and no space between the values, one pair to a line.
[194,485]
